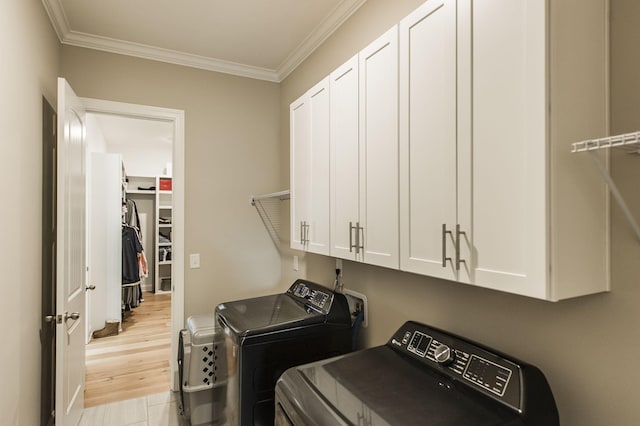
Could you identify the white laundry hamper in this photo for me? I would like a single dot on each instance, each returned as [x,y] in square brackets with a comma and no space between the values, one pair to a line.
[202,368]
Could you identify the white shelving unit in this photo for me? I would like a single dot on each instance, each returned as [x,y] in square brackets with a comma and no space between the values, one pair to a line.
[163,234]
[159,253]
[629,142]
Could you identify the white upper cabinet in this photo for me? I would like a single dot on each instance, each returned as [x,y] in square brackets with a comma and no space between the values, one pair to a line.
[364,155]
[344,143]
[309,121]
[490,98]
[429,141]
[450,145]
[379,235]
[509,196]
[300,124]
[539,82]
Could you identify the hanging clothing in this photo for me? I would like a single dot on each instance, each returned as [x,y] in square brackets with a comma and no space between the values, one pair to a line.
[131,249]
[132,267]
[132,218]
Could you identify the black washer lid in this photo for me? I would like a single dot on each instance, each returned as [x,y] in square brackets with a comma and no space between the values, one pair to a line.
[264,314]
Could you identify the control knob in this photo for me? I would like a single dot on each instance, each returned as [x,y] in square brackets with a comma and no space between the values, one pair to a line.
[444,355]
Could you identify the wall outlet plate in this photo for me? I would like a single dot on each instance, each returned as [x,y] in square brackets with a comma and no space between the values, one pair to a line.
[356,299]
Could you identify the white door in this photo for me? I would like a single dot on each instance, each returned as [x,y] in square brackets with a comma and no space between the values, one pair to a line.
[71,257]
[428,140]
[509,146]
[318,227]
[300,128]
[344,170]
[105,241]
[378,65]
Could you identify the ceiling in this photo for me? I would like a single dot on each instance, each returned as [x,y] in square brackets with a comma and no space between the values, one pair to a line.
[120,130]
[262,39]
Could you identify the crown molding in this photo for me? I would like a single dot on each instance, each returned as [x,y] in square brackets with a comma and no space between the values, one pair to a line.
[319,35]
[57,17]
[106,44]
[338,16]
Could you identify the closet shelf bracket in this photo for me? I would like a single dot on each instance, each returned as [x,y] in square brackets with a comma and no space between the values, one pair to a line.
[269,210]
[629,142]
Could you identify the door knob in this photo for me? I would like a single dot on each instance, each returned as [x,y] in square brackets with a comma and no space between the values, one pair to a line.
[50,318]
[73,315]
[90,287]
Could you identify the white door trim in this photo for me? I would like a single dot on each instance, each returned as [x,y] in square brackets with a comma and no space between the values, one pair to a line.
[175,116]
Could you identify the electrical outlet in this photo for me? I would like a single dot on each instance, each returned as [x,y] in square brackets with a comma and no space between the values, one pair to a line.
[358,302]
[295,263]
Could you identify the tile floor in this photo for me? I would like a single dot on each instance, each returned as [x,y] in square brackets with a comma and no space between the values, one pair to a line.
[153,410]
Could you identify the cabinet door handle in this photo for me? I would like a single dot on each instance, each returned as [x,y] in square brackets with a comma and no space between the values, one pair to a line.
[306,232]
[444,245]
[359,242]
[458,234]
[302,232]
[351,246]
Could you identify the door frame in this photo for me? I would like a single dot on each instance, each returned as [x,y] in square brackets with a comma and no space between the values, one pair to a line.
[175,116]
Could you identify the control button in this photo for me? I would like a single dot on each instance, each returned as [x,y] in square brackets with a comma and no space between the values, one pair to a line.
[406,337]
[444,355]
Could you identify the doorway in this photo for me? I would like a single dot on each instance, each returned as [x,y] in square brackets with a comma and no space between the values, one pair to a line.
[165,160]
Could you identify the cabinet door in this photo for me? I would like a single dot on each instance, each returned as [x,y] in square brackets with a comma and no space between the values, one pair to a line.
[428,140]
[378,67]
[344,160]
[509,179]
[300,124]
[318,223]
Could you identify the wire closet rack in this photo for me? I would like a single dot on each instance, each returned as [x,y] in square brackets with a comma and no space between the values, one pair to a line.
[269,209]
[629,142]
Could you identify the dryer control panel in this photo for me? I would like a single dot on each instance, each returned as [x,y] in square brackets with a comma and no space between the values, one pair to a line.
[478,367]
[312,295]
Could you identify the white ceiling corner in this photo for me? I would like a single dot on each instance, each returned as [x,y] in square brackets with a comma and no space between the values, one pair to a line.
[314,38]
[322,32]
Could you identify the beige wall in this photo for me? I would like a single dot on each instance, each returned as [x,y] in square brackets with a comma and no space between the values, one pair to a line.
[30,62]
[587,347]
[231,153]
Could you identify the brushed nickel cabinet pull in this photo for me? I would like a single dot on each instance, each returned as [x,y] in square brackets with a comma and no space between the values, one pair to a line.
[351,246]
[359,242]
[458,260]
[444,245]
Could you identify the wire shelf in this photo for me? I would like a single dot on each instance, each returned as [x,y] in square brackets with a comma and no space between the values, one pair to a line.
[269,209]
[629,142]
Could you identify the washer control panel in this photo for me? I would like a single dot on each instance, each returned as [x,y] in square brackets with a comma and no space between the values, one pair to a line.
[313,296]
[462,360]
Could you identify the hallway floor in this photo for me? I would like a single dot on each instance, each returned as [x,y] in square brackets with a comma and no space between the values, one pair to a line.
[153,410]
[135,363]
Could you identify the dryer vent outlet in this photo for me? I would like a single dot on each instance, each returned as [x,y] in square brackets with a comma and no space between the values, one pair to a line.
[357,303]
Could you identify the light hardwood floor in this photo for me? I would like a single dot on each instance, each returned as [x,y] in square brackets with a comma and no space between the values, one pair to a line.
[135,363]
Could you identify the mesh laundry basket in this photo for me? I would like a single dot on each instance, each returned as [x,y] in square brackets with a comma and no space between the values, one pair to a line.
[202,370]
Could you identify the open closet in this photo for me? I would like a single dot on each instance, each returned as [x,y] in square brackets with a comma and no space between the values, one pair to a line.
[130,216]
[131,195]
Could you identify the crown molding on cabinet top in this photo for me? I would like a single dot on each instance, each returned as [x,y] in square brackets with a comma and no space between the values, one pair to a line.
[323,31]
